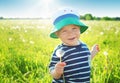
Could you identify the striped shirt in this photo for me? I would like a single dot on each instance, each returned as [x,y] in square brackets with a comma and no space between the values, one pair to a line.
[77,59]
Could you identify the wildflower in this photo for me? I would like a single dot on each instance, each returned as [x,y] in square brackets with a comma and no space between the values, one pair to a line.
[117,31]
[59,52]
[16,27]
[23,40]
[101,33]
[25,31]
[31,42]
[10,39]
[2,28]
[105,53]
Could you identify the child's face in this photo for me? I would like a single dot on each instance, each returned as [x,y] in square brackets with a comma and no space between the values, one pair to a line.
[69,35]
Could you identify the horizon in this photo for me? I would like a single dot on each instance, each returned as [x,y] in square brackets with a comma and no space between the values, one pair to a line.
[48,17]
[45,8]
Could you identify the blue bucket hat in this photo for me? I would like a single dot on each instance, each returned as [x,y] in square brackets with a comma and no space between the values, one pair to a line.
[66,17]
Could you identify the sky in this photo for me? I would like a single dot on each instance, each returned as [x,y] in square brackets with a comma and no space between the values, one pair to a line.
[45,8]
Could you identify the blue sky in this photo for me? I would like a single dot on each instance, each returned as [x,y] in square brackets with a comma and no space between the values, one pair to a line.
[45,8]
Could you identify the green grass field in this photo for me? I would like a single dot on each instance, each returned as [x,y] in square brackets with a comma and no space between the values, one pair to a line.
[25,50]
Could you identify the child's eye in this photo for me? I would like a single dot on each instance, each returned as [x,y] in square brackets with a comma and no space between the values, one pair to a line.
[74,28]
[63,31]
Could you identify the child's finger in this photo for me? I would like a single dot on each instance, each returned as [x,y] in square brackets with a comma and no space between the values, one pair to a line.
[97,47]
[61,64]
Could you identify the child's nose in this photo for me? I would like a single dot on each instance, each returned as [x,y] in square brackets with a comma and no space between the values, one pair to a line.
[70,32]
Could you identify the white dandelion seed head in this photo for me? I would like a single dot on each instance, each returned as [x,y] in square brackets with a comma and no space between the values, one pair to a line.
[101,33]
[23,40]
[25,31]
[31,42]
[2,28]
[10,39]
[117,31]
[17,26]
[105,53]
[59,52]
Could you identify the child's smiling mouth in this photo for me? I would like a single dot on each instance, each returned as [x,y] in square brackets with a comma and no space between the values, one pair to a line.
[71,38]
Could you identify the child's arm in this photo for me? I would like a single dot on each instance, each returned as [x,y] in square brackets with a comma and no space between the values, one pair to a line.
[58,71]
[94,51]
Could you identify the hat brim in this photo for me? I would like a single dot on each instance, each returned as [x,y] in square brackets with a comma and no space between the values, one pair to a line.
[65,22]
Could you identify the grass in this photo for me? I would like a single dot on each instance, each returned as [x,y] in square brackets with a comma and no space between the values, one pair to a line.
[25,50]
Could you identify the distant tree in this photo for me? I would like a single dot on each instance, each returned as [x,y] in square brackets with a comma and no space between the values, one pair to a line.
[88,17]
[1,17]
[117,18]
[82,17]
[96,18]
[106,18]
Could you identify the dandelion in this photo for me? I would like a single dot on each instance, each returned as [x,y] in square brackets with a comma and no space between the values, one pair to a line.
[16,27]
[117,31]
[105,53]
[60,53]
[101,33]
[10,39]
[106,60]
[31,42]
[2,28]
[23,40]
[25,31]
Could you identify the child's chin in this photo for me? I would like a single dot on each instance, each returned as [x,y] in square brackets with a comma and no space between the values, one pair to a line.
[72,44]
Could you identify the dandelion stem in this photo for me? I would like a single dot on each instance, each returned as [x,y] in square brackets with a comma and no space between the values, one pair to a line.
[60,59]
[63,79]
[63,74]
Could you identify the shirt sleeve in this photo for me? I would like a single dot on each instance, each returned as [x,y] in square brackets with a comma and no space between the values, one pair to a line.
[89,54]
[53,61]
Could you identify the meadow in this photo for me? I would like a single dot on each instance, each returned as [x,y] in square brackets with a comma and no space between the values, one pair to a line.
[26,48]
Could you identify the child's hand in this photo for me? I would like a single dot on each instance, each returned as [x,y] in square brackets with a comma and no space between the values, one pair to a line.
[59,68]
[95,50]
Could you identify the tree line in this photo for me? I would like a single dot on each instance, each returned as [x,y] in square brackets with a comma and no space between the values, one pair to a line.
[84,17]
[90,17]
